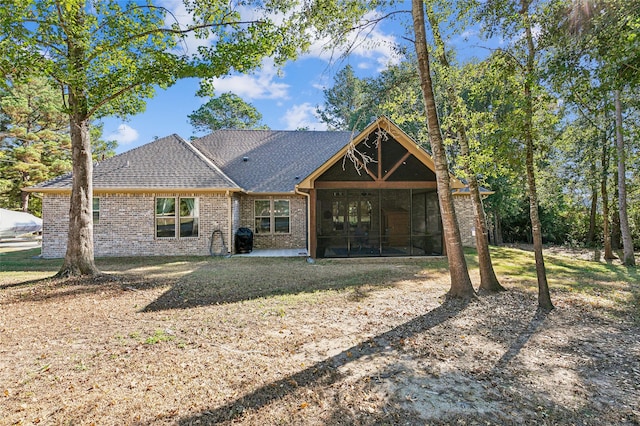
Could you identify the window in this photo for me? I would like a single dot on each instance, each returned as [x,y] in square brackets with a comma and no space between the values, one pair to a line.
[263,216]
[182,221]
[271,216]
[188,217]
[96,210]
[281,216]
[165,217]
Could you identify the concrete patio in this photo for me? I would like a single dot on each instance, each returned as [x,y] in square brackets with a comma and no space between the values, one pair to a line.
[299,252]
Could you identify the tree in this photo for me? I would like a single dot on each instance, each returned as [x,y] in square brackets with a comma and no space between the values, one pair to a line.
[608,251]
[606,49]
[588,64]
[351,102]
[34,138]
[515,19]
[491,92]
[228,111]
[101,149]
[337,27]
[460,282]
[544,297]
[107,57]
[398,96]
[627,242]
[488,279]
[344,102]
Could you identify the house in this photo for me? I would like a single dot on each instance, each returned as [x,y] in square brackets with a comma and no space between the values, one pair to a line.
[333,194]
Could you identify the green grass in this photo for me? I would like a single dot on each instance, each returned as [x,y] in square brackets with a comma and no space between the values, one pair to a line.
[157,337]
[27,261]
[194,281]
[607,285]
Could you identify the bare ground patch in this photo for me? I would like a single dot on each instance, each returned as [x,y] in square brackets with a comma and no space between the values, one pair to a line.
[243,341]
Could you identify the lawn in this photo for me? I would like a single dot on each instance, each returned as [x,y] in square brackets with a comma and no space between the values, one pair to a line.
[258,341]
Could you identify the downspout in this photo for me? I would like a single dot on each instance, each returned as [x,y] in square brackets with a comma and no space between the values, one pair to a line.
[230,222]
[308,196]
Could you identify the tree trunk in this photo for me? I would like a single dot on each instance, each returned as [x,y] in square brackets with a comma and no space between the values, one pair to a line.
[24,195]
[608,252]
[615,216]
[460,282]
[79,258]
[593,212]
[488,279]
[628,258]
[544,298]
[24,201]
[499,240]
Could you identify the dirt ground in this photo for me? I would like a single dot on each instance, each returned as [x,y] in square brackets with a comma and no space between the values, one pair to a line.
[136,350]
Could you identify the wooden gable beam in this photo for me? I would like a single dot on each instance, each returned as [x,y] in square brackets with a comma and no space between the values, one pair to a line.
[398,164]
[366,169]
[376,185]
[379,157]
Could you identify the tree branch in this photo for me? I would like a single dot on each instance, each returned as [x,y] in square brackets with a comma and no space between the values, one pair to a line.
[111,97]
[187,30]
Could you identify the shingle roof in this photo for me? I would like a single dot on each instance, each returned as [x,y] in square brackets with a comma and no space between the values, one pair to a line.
[273,158]
[169,162]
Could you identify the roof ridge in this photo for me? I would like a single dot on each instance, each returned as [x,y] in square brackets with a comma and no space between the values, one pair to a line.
[273,131]
[206,160]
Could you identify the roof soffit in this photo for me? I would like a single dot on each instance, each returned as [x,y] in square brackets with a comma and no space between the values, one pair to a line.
[386,125]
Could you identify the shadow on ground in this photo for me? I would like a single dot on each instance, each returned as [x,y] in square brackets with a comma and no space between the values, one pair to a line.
[222,281]
[326,373]
[522,339]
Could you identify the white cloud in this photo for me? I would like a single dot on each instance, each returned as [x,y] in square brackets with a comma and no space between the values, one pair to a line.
[371,44]
[301,116]
[470,33]
[178,14]
[123,135]
[536,31]
[262,84]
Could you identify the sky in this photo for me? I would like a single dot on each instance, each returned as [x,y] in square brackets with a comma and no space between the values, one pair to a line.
[287,98]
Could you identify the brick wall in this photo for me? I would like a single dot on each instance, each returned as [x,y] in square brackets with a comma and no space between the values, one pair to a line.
[297,238]
[127,226]
[55,225]
[464,215]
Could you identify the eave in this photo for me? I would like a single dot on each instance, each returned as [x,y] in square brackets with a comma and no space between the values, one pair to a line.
[139,190]
[400,136]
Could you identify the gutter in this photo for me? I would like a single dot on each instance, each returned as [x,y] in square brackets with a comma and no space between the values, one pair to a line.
[230,222]
[134,190]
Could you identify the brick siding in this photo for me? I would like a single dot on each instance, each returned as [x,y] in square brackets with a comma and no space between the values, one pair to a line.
[127,226]
[464,215]
[296,238]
